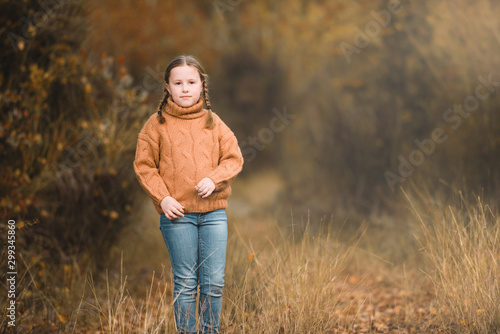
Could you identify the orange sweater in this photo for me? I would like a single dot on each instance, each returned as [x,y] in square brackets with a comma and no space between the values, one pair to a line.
[171,158]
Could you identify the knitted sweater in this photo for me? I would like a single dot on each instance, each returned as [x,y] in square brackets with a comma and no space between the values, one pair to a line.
[171,158]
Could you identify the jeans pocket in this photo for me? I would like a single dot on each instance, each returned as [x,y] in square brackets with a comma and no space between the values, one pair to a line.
[164,220]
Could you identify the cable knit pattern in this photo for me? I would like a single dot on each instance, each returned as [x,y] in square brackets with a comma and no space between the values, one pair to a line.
[171,158]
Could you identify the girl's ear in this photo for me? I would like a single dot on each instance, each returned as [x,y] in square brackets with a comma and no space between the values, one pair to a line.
[168,89]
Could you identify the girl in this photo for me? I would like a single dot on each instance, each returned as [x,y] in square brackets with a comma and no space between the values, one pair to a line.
[186,159]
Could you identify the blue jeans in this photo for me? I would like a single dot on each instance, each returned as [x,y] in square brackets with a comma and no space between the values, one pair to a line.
[197,247]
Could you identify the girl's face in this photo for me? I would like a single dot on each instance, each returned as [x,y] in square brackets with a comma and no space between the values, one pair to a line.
[184,84]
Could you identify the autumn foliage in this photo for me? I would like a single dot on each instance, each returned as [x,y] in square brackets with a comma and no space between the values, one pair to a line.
[380,114]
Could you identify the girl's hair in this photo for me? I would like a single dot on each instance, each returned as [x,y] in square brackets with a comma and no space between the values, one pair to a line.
[190,61]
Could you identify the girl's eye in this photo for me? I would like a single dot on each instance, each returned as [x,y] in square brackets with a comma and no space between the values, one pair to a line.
[192,82]
[177,83]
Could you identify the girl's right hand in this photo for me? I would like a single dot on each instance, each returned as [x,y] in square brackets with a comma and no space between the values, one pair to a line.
[172,208]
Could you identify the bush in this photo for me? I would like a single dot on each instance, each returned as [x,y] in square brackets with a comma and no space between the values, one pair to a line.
[67,142]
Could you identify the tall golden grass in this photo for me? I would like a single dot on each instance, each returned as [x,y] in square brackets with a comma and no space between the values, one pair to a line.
[293,285]
[462,245]
[293,280]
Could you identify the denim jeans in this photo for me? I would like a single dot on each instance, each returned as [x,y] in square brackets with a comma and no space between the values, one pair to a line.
[197,247]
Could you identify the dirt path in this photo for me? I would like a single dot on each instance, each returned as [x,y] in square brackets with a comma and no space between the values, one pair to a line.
[386,304]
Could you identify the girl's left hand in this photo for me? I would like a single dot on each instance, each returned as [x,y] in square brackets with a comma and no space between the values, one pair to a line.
[205,187]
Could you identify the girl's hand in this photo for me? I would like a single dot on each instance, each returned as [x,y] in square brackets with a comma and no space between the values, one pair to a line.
[205,187]
[172,208]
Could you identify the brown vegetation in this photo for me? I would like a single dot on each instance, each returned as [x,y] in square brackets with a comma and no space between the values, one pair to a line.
[79,78]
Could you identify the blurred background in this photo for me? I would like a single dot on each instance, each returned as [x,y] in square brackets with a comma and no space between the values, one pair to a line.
[336,105]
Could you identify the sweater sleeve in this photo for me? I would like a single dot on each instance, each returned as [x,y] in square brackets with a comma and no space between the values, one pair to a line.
[230,158]
[146,164]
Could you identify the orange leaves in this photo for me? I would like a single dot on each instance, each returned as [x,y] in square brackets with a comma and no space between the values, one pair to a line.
[88,88]
[112,171]
[83,55]
[60,61]
[374,303]
[113,214]
[354,279]
[63,318]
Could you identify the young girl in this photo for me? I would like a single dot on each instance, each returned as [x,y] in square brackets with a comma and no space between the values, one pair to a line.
[186,159]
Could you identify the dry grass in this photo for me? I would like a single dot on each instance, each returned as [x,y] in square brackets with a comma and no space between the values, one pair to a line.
[291,280]
[292,284]
[462,245]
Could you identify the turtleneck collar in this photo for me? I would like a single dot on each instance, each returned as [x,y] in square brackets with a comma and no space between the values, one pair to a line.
[195,111]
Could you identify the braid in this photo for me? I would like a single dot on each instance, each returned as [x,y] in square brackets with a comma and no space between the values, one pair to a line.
[209,124]
[163,102]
